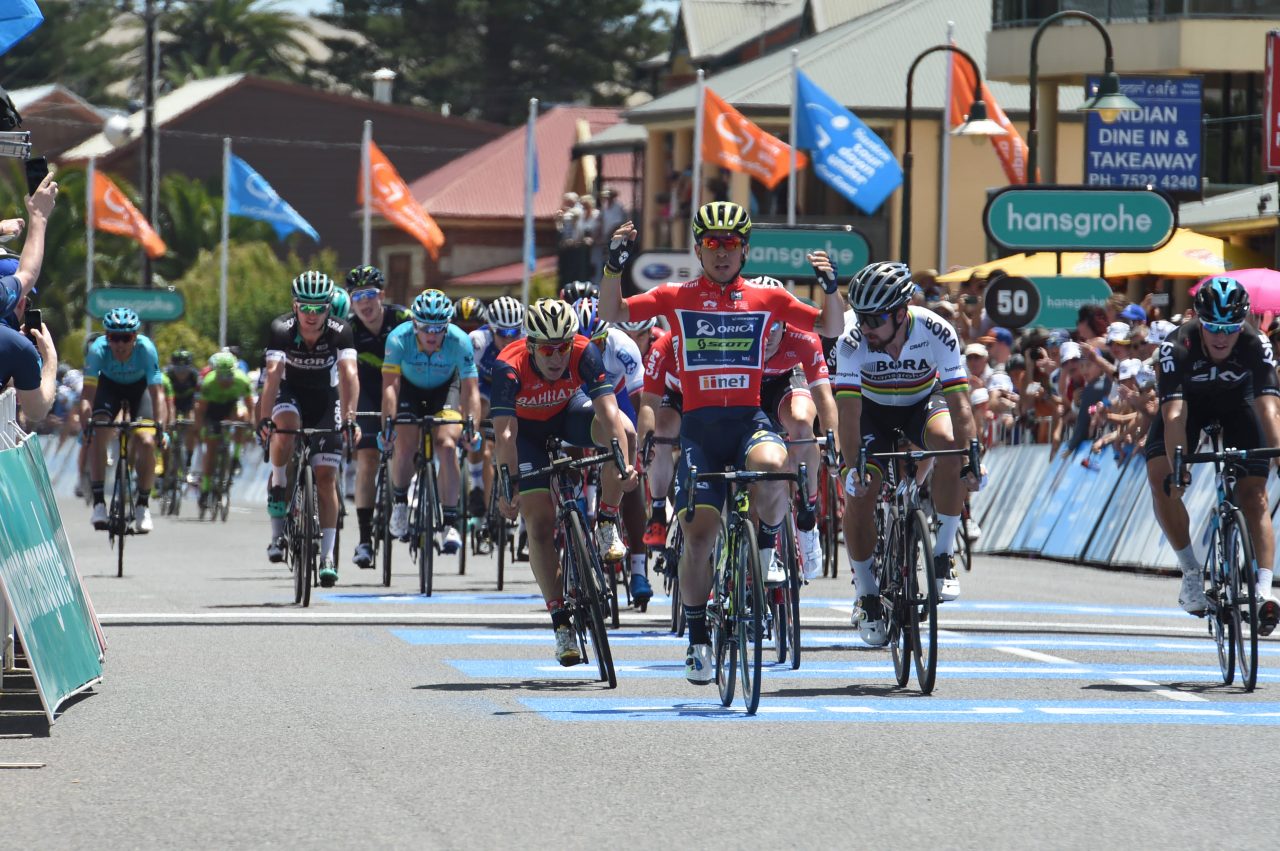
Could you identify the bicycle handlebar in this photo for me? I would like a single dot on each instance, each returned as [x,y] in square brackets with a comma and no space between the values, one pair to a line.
[743,477]
[973,454]
[1181,460]
[613,454]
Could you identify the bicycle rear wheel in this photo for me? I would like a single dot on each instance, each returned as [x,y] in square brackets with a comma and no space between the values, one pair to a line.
[1221,623]
[720,619]
[964,547]
[120,514]
[588,567]
[780,598]
[310,533]
[923,602]
[749,589]
[1243,599]
[382,540]
[830,514]
[896,583]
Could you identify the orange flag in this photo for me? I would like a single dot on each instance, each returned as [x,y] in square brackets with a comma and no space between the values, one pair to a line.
[1009,147]
[114,213]
[730,140]
[391,198]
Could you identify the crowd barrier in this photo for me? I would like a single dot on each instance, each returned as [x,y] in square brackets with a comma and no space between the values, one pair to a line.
[1084,507]
[45,602]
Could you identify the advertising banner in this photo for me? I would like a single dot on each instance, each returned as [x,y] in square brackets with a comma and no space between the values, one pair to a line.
[1157,145]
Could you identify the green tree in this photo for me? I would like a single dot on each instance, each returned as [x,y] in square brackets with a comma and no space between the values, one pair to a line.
[488,57]
[171,336]
[213,37]
[257,292]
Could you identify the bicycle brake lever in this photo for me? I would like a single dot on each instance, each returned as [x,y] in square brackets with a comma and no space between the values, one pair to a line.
[690,482]
[618,459]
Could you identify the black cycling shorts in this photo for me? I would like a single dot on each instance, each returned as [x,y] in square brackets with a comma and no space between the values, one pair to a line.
[1241,429]
[370,427]
[880,423]
[572,425]
[712,439]
[112,396]
[777,388]
[673,399]
[427,402]
[318,409]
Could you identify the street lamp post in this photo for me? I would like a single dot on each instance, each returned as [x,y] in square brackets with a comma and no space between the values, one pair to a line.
[977,124]
[149,146]
[1108,103]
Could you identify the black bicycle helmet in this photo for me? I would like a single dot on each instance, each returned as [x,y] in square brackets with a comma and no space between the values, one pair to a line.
[1222,300]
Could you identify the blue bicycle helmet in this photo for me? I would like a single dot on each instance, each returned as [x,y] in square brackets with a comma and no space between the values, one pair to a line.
[1222,300]
[432,307]
[121,320]
[590,325]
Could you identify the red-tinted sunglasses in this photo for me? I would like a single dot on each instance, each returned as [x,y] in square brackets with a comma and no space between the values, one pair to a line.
[715,243]
[551,349]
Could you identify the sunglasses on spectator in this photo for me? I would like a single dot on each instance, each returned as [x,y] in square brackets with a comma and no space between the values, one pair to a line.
[507,332]
[715,243]
[365,295]
[424,328]
[971,299]
[548,350]
[312,309]
[873,320]
[1223,328]
[121,338]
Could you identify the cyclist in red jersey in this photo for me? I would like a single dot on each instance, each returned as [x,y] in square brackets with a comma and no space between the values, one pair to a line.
[720,323]
[552,383]
[660,407]
[797,387]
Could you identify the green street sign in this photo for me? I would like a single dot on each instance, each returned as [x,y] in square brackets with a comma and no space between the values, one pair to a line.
[1051,302]
[779,252]
[1079,218]
[150,305]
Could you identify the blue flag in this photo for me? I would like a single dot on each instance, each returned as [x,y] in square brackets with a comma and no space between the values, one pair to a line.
[530,252]
[251,196]
[847,154]
[18,19]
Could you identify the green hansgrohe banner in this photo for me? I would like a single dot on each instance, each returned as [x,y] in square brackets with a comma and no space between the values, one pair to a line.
[39,580]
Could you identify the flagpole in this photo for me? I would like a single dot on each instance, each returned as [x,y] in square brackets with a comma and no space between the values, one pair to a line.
[795,106]
[90,177]
[366,178]
[226,229]
[698,115]
[527,246]
[944,168]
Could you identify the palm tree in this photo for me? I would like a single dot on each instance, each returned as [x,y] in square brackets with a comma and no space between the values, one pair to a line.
[213,37]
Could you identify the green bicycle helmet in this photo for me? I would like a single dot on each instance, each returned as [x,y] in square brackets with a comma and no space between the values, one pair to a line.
[363,277]
[340,304]
[722,216]
[223,363]
[312,287]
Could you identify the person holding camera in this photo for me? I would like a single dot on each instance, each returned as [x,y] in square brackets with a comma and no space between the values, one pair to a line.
[18,284]
[28,359]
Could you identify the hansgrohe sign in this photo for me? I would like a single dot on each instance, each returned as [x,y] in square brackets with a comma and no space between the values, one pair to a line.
[1079,218]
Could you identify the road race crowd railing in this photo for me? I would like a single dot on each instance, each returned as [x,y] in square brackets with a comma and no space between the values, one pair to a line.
[44,601]
[1083,506]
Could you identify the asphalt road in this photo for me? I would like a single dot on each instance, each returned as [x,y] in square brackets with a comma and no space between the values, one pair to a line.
[1074,706]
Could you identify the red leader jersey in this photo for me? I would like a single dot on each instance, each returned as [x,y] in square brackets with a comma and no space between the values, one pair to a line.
[718,335]
[802,349]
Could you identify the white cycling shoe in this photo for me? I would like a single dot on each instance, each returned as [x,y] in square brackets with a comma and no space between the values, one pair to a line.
[142,520]
[868,616]
[399,525]
[944,567]
[697,664]
[775,572]
[1191,596]
[811,552]
[99,518]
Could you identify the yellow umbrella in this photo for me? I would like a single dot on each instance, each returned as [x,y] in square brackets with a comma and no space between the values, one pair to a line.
[1019,265]
[1187,255]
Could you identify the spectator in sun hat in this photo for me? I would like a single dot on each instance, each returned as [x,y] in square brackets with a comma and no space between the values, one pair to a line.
[975,359]
[1158,330]
[1134,315]
[1118,340]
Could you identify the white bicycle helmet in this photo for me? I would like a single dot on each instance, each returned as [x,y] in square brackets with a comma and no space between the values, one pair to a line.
[881,287]
[766,281]
[642,325]
[550,320]
[506,313]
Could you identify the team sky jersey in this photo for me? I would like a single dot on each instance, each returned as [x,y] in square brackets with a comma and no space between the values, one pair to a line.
[371,348]
[930,356]
[622,364]
[309,368]
[802,349]
[183,379]
[215,392]
[720,332]
[142,363]
[519,390]
[659,367]
[429,369]
[1186,371]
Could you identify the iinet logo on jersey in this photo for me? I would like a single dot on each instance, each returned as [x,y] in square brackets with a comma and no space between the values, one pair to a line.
[738,381]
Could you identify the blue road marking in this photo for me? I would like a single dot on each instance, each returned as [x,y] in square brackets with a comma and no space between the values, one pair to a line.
[531,669]
[816,640]
[981,606]
[890,710]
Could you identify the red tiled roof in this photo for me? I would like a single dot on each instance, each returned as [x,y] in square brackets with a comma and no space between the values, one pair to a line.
[512,273]
[489,181]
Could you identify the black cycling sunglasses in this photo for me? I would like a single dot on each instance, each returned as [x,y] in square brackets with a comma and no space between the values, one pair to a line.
[874,320]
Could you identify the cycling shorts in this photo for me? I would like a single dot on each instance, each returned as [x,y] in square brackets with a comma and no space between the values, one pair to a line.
[571,425]
[775,390]
[112,395]
[370,427]
[184,405]
[1241,429]
[713,439]
[880,424]
[318,409]
[215,413]
[428,401]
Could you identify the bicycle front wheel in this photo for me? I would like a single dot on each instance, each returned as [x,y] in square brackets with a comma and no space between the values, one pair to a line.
[1221,622]
[310,532]
[587,565]
[830,515]
[922,601]
[424,529]
[720,619]
[1243,598]
[382,539]
[120,514]
[749,590]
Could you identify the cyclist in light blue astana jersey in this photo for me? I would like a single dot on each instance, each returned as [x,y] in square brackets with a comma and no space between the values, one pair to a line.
[121,367]
[429,370]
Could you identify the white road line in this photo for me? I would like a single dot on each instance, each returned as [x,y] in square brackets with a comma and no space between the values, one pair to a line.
[1038,657]
[1156,688]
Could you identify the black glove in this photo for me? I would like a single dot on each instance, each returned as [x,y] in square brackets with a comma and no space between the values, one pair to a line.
[830,280]
[619,255]
[265,427]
